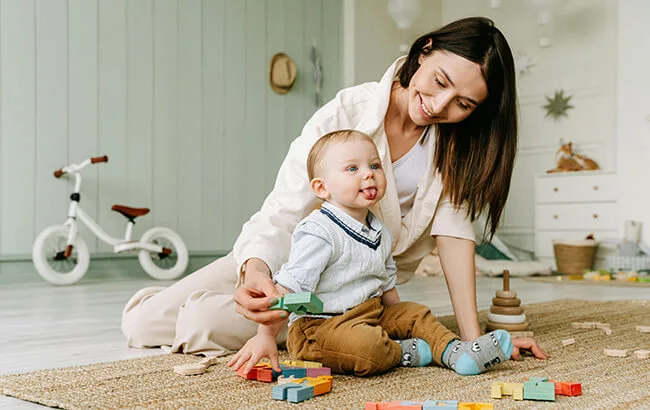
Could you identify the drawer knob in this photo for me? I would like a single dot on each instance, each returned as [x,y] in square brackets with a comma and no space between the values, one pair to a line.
[595,187]
[555,216]
[595,216]
[555,189]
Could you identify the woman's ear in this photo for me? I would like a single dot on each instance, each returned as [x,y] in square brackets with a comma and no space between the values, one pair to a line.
[426,49]
[319,188]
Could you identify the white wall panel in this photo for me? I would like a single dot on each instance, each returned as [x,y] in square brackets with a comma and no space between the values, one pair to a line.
[175,92]
[18,126]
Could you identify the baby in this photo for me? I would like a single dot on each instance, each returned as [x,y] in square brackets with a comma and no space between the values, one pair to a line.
[343,253]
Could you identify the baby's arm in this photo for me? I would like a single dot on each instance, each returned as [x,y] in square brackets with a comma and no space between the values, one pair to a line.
[310,253]
[390,297]
[262,345]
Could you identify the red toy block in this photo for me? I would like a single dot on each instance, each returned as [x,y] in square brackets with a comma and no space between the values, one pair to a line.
[252,375]
[568,388]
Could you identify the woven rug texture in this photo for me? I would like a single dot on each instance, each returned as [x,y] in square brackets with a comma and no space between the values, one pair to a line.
[607,383]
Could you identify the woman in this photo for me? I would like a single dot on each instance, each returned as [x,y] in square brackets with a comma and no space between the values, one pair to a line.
[444,120]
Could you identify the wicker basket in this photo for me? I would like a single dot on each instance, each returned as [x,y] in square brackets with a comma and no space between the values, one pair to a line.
[573,257]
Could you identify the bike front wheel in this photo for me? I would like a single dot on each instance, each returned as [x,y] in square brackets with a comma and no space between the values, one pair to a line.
[48,255]
[164,266]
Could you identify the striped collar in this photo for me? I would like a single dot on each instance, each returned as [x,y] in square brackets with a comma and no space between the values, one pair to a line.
[370,237]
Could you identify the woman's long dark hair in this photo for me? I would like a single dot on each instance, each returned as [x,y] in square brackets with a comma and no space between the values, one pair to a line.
[476,157]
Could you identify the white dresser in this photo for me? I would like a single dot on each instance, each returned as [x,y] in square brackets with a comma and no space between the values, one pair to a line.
[571,205]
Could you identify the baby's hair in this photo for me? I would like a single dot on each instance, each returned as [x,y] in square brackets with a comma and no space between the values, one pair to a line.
[319,149]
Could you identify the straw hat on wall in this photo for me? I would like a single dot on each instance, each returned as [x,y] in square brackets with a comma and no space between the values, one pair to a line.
[282,73]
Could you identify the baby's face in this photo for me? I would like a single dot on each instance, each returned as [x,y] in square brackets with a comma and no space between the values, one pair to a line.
[353,175]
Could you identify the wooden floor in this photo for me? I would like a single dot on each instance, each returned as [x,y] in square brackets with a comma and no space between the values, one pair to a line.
[43,326]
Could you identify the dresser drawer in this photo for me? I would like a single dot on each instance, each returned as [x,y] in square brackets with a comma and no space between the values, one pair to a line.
[576,188]
[544,241]
[592,217]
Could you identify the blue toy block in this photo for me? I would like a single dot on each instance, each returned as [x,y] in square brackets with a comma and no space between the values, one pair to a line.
[440,405]
[537,379]
[297,372]
[539,391]
[302,393]
[279,391]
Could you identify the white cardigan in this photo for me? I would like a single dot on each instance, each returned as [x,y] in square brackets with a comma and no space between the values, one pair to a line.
[267,235]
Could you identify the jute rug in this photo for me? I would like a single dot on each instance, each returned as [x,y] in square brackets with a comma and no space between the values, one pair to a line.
[150,382]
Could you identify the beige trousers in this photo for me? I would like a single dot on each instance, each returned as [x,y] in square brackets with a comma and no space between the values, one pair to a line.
[195,315]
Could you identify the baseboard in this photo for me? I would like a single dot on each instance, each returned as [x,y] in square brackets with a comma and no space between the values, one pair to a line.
[103,267]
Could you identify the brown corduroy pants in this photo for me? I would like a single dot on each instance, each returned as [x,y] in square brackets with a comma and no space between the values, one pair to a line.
[362,340]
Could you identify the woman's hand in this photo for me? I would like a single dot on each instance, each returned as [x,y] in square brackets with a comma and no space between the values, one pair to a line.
[257,348]
[257,293]
[528,344]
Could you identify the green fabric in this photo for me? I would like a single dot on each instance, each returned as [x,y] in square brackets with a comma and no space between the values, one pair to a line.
[488,251]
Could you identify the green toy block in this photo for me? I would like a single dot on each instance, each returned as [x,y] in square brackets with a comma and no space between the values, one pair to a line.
[539,390]
[300,302]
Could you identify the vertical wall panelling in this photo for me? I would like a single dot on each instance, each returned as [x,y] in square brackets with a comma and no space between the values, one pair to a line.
[276,143]
[297,48]
[212,153]
[253,135]
[166,132]
[17,164]
[331,48]
[175,92]
[83,29]
[235,121]
[188,142]
[312,30]
[112,116]
[139,117]
[51,112]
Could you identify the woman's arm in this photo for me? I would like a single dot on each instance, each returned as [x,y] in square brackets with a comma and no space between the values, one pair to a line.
[457,259]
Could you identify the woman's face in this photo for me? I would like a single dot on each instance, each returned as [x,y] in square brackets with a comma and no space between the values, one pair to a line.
[445,89]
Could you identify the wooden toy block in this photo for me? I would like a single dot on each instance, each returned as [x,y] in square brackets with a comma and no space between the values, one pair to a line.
[539,390]
[495,390]
[251,375]
[302,363]
[405,405]
[300,302]
[567,342]
[475,406]
[297,372]
[440,405]
[285,380]
[615,352]
[643,329]
[602,326]
[516,390]
[321,384]
[568,389]
[280,391]
[318,371]
[302,393]
[265,375]
[191,369]
[642,354]
[536,379]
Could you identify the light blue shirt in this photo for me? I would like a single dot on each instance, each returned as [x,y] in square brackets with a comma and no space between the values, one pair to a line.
[341,260]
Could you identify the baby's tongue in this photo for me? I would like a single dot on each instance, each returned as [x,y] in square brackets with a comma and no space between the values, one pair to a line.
[369,193]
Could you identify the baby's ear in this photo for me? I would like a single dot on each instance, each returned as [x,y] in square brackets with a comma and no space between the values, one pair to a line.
[319,188]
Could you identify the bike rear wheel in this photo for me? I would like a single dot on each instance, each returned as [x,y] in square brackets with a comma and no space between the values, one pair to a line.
[50,261]
[164,266]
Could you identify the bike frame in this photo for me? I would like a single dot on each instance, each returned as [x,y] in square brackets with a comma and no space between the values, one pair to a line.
[75,212]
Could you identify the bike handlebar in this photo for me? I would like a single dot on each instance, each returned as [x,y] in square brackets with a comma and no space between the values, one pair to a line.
[103,158]
[75,168]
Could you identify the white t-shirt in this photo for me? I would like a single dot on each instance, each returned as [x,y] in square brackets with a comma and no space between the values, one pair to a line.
[409,170]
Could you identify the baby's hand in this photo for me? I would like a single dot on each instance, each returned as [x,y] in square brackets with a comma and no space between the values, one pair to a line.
[527,344]
[258,347]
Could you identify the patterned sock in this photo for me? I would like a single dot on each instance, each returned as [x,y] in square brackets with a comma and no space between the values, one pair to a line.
[415,352]
[470,358]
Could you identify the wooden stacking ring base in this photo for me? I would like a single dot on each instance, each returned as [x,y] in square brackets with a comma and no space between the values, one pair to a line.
[514,302]
[514,327]
[502,310]
[506,294]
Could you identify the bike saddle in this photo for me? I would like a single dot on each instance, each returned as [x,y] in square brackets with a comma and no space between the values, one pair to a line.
[130,213]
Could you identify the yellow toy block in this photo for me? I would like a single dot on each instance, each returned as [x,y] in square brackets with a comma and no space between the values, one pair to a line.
[475,406]
[301,363]
[495,390]
[517,390]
